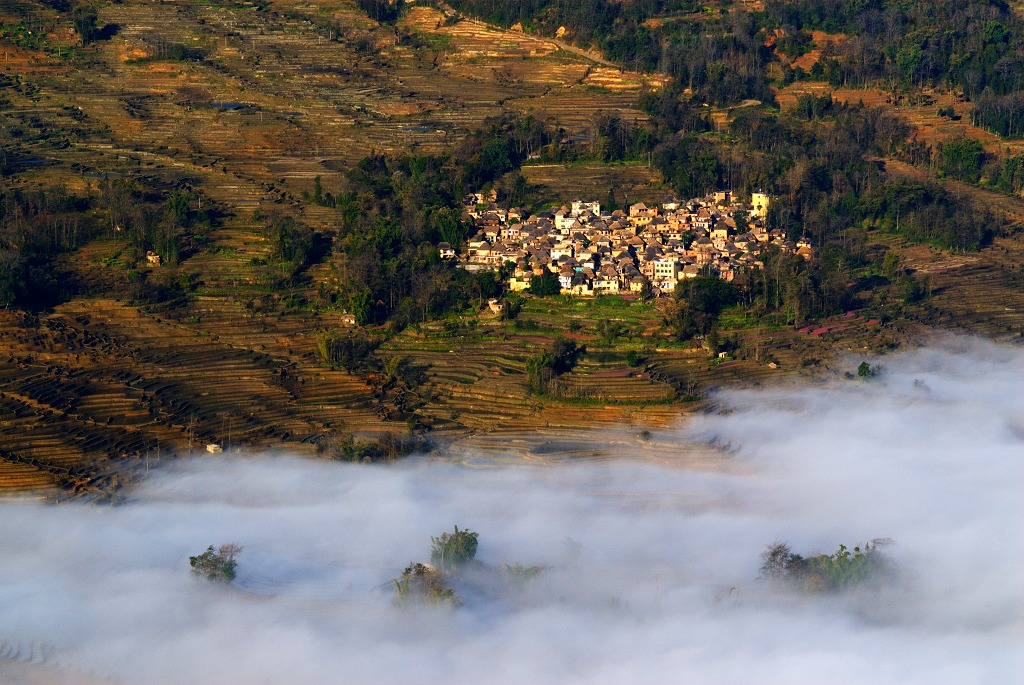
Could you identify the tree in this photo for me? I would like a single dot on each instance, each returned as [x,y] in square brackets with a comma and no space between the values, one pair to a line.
[825,572]
[543,368]
[318,190]
[609,330]
[454,549]
[426,582]
[865,370]
[12,276]
[494,158]
[890,264]
[915,290]
[84,18]
[778,558]
[360,304]
[178,210]
[383,11]
[699,301]
[518,194]
[689,165]
[962,159]
[216,565]
[545,284]
[351,350]
[450,227]
[610,204]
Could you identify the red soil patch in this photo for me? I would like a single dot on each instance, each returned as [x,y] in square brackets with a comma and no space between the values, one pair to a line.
[808,60]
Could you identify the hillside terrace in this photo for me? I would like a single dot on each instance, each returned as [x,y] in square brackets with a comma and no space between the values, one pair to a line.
[647,249]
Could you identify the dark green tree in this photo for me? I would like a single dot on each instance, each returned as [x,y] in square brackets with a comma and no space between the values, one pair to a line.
[84,17]
[546,284]
[699,301]
[451,550]
[962,159]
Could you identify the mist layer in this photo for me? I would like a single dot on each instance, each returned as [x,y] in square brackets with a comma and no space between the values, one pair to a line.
[649,570]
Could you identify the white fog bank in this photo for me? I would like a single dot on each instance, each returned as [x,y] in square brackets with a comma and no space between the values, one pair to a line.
[650,571]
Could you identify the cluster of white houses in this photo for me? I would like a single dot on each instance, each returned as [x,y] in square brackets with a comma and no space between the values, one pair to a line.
[644,249]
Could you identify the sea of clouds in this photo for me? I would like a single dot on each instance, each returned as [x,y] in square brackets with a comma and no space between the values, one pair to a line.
[650,569]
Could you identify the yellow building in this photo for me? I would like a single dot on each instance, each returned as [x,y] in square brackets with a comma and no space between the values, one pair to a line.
[759,202]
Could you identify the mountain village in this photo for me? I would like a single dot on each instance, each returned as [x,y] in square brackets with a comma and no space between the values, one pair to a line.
[646,250]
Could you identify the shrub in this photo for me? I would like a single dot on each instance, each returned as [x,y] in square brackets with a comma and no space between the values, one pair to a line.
[525,325]
[426,584]
[385,448]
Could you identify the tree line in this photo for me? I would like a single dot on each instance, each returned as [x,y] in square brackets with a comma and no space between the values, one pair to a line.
[725,57]
[38,226]
[720,57]
[972,46]
[393,211]
[35,227]
[828,190]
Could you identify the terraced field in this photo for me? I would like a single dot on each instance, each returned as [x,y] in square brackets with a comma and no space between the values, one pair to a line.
[264,100]
[480,396]
[981,294]
[96,390]
[928,124]
[561,184]
[268,99]
[98,382]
